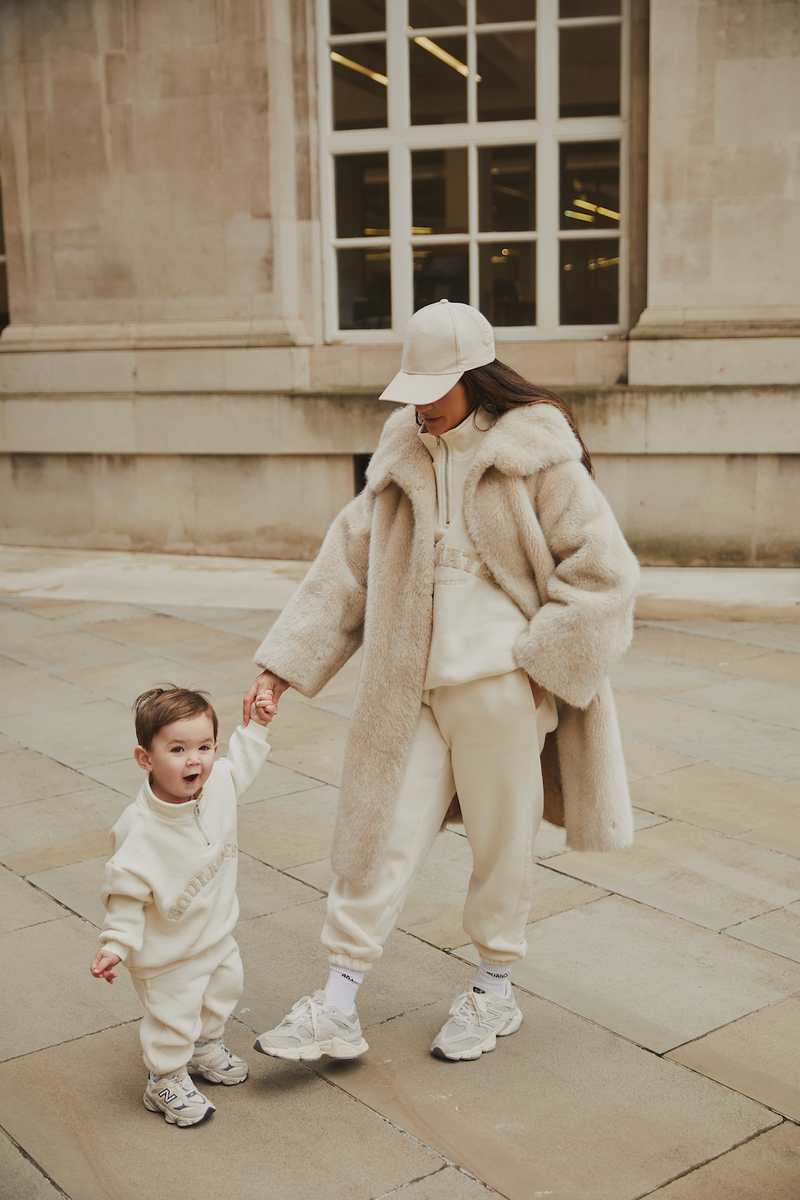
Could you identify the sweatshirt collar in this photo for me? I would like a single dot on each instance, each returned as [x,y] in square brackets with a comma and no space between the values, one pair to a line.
[171,812]
[463,440]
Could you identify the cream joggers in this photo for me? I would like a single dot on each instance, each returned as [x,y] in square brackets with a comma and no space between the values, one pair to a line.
[482,739]
[188,1004]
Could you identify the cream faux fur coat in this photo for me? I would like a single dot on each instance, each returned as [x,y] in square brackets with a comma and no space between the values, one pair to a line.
[551,542]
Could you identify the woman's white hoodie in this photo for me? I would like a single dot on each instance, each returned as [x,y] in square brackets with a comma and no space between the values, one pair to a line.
[170,884]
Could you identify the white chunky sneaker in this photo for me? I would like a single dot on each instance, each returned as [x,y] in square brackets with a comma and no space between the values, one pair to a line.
[175,1096]
[477,1020]
[218,1064]
[311,1029]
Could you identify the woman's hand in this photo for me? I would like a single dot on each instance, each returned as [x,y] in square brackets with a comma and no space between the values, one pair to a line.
[265,694]
[539,692]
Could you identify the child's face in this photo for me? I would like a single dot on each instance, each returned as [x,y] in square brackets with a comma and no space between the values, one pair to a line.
[180,758]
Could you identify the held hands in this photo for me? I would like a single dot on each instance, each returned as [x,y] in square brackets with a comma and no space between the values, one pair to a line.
[102,964]
[261,701]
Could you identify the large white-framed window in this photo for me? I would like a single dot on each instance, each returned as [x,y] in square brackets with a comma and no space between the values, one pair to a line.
[474,150]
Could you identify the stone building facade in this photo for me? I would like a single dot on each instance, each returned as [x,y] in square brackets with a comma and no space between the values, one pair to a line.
[219,215]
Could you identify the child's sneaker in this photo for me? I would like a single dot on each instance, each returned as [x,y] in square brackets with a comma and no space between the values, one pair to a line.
[218,1064]
[314,1028]
[175,1096]
[477,1019]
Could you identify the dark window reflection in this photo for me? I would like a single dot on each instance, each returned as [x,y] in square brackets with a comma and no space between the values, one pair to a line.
[438,85]
[365,298]
[589,185]
[439,191]
[508,283]
[506,10]
[359,86]
[507,188]
[3,276]
[589,8]
[507,70]
[589,282]
[362,195]
[440,273]
[589,71]
[358,16]
[424,14]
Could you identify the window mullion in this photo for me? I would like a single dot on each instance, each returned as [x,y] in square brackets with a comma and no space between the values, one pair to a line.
[399,164]
[547,168]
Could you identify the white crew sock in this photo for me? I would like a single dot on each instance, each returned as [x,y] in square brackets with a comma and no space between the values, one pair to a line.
[493,977]
[341,988]
[153,1078]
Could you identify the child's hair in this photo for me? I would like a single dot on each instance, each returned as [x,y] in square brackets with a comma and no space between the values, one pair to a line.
[161,706]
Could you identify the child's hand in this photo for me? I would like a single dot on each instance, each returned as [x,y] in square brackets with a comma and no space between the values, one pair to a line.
[264,708]
[102,963]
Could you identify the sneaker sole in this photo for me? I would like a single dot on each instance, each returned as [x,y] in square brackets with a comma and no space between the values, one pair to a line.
[485,1047]
[215,1076]
[171,1119]
[335,1048]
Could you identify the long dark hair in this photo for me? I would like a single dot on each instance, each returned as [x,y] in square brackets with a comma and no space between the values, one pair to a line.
[498,389]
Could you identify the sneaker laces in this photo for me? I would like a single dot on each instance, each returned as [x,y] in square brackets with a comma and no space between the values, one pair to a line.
[305,1004]
[470,1006]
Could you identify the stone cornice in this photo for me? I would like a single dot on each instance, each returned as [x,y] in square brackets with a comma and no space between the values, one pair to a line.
[156,335]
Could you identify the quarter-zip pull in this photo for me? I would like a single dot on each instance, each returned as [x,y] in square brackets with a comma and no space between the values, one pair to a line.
[199,824]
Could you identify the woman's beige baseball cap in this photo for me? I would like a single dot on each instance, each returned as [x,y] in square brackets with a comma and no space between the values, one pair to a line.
[442,341]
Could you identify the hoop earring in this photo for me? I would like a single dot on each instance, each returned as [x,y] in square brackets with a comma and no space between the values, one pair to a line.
[418,419]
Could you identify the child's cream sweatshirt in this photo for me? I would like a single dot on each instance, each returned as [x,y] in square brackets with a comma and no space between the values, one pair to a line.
[170,884]
[475,623]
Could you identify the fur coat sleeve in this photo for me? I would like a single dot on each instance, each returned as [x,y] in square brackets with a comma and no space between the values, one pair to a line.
[586,620]
[323,624]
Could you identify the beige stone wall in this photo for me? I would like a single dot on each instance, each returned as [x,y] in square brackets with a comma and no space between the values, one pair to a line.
[157,162]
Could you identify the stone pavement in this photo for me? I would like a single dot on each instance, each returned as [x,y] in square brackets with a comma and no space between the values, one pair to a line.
[660,1054]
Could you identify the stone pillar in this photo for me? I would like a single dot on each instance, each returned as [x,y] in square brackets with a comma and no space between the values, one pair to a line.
[723,295]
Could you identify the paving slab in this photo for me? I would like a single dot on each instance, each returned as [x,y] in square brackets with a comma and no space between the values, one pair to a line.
[772,703]
[298,724]
[22,906]
[285,831]
[29,775]
[660,641]
[449,1183]
[124,775]
[549,1095]
[692,873]
[767,1167]
[780,667]
[78,1110]
[71,612]
[151,629]
[40,822]
[80,735]
[42,1007]
[632,970]
[783,837]
[777,931]
[659,677]
[124,683]
[748,746]
[284,960]
[658,722]
[58,854]
[755,633]
[643,761]
[319,760]
[26,690]
[7,743]
[273,780]
[66,649]
[718,798]
[212,648]
[756,1056]
[20,1179]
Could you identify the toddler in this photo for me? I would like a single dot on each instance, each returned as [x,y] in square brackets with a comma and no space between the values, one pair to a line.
[170,894]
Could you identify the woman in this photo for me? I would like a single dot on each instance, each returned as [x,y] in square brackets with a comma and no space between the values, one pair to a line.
[492,589]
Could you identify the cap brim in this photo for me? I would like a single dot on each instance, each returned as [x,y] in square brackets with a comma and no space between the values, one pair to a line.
[419,389]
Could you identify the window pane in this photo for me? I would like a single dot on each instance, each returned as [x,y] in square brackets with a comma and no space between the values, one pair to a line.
[362,195]
[440,273]
[589,8]
[439,191]
[589,185]
[590,282]
[358,16]
[365,298]
[507,76]
[359,86]
[507,188]
[438,81]
[589,71]
[425,14]
[506,10]
[508,283]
